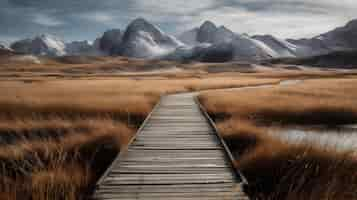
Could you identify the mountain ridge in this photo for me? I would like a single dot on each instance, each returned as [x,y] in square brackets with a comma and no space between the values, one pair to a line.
[142,39]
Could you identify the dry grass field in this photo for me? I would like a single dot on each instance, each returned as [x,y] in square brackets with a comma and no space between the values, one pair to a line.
[280,169]
[63,121]
[58,134]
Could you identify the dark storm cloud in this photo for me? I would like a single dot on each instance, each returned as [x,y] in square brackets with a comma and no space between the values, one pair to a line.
[66,18]
[86,19]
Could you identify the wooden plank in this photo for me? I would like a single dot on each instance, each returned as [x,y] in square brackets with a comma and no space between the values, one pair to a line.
[161,181]
[176,143]
[216,194]
[172,157]
[175,155]
[153,188]
[179,141]
[178,132]
[172,162]
[172,170]
[165,166]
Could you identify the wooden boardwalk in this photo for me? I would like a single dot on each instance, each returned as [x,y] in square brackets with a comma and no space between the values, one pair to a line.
[176,155]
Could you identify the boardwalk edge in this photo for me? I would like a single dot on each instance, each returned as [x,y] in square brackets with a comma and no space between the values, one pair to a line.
[229,154]
[123,151]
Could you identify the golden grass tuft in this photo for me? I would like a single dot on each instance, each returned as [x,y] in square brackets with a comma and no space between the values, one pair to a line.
[60,183]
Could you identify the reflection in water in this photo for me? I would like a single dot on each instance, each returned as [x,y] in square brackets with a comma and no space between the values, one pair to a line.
[342,139]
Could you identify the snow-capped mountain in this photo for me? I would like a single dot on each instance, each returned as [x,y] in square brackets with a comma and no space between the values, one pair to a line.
[144,40]
[46,45]
[244,47]
[340,39]
[208,42]
[208,32]
[240,47]
[222,44]
[109,40]
[49,45]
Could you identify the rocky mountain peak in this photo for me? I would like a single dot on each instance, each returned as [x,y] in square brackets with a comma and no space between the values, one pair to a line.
[140,24]
[143,39]
[205,32]
[208,25]
[110,39]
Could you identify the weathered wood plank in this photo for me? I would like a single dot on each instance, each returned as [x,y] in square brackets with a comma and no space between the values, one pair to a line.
[176,155]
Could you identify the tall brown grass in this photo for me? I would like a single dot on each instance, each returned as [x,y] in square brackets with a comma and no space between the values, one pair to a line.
[61,163]
[277,169]
[328,102]
[58,136]
[62,122]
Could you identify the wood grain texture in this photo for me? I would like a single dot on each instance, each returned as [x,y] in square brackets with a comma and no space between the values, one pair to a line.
[175,155]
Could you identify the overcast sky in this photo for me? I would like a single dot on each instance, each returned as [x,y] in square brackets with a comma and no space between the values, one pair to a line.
[86,19]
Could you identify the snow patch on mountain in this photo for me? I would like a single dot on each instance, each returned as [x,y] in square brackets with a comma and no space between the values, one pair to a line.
[54,44]
[147,46]
[266,48]
[245,48]
[44,45]
[145,40]
[281,48]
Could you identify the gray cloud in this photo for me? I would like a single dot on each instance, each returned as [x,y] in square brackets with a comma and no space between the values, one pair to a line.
[86,19]
[46,20]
